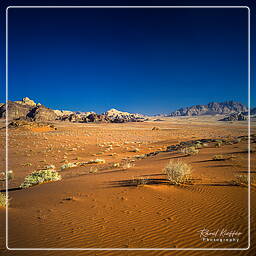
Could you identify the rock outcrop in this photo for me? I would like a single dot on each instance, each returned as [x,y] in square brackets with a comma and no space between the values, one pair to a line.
[253,112]
[212,108]
[235,117]
[15,110]
[117,116]
[42,114]
[27,101]
[27,109]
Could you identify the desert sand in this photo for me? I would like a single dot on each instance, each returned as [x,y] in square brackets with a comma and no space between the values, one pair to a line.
[102,206]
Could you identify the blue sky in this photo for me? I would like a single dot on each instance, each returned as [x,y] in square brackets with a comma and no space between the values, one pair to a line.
[138,60]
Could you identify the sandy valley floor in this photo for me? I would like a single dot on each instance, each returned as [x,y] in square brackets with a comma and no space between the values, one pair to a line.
[99,206]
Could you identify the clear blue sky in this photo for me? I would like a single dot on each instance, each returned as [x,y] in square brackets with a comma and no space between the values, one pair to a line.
[138,60]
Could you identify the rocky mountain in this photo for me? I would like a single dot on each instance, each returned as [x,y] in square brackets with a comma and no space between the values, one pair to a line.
[212,108]
[16,110]
[117,116]
[27,109]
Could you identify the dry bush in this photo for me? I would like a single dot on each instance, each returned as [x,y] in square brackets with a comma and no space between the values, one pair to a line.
[96,161]
[243,179]
[189,151]
[127,165]
[177,172]
[40,176]
[116,165]
[68,165]
[6,176]
[3,200]
[198,145]
[140,156]
[50,167]
[218,158]
[93,169]
[135,150]
[218,144]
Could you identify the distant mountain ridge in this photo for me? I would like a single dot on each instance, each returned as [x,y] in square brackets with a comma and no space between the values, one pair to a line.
[29,110]
[212,108]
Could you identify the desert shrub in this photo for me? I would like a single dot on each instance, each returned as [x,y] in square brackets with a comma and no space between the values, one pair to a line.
[241,179]
[218,144]
[116,165]
[140,156]
[3,200]
[218,158]
[40,176]
[68,165]
[9,175]
[127,165]
[177,172]
[50,167]
[198,145]
[190,151]
[96,161]
[135,150]
[93,169]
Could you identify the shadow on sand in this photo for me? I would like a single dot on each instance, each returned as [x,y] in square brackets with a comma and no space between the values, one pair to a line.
[10,189]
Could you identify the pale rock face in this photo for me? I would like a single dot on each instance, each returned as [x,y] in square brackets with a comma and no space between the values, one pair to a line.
[116,113]
[26,101]
[62,112]
[117,116]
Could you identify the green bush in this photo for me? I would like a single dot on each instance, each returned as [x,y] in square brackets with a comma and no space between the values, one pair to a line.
[41,176]
[177,172]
